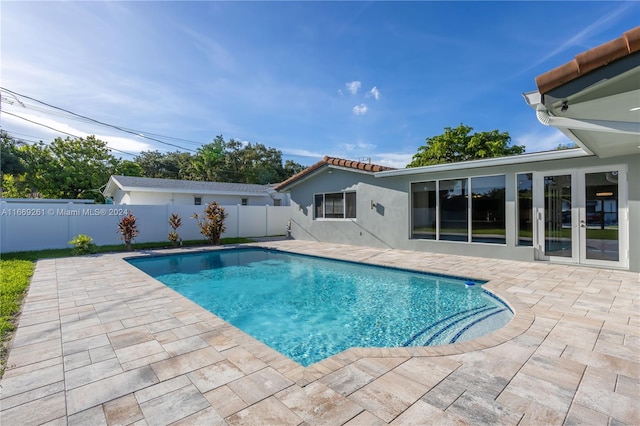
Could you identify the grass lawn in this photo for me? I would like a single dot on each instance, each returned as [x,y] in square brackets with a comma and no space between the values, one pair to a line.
[16,270]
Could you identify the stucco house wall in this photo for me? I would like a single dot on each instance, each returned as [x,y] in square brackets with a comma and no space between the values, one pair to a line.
[383,204]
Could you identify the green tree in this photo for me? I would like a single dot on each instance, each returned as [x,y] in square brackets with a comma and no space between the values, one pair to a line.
[456,145]
[68,168]
[12,167]
[208,160]
[10,160]
[172,165]
[151,163]
[220,161]
[291,168]
[261,165]
[127,168]
[564,146]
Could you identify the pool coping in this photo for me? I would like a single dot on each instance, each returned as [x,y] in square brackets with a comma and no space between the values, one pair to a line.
[522,319]
[101,343]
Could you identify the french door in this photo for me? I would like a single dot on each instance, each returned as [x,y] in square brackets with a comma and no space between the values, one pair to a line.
[582,216]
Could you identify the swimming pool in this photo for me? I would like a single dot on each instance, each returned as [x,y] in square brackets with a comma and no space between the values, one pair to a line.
[309,308]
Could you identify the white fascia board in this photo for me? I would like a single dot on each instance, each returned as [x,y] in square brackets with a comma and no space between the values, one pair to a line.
[190,191]
[349,169]
[533,98]
[489,162]
[108,188]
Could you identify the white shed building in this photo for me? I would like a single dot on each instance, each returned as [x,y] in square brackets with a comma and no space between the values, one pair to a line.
[152,191]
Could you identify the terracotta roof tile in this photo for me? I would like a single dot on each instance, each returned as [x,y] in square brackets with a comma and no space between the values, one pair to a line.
[340,162]
[590,60]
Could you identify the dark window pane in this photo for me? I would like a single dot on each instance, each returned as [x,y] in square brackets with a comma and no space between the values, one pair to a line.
[488,209]
[525,209]
[558,216]
[423,212]
[319,208]
[601,215]
[350,203]
[454,210]
[334,205]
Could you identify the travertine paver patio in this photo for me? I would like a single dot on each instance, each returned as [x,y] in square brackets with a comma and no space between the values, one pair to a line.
[100,342]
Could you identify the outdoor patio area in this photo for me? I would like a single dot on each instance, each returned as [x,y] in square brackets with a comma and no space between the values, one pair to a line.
[100,342]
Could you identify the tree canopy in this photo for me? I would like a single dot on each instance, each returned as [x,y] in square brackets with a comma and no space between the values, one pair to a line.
[79,167]
[65,168]
[220,161]
[10,162]
[458,144]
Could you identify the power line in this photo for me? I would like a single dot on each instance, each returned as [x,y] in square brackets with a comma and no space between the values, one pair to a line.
[83,120]
[122,129]
[62,131]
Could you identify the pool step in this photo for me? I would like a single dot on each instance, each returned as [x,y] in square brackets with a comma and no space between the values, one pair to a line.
[455,325]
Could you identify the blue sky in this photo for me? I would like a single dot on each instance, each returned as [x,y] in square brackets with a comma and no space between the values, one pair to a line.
[355,80]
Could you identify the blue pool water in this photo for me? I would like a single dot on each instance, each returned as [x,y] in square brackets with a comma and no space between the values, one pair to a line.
[310,308]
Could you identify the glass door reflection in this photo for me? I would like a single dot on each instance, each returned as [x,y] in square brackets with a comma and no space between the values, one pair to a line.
[558,216]
[599,227]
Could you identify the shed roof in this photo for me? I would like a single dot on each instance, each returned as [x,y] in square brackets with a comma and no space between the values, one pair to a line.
[133,183]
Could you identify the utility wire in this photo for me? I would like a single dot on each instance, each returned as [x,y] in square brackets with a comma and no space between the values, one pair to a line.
[48,111]
[122,129]
[62,131]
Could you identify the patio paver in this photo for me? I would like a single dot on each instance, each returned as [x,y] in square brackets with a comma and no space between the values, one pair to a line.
[100,342]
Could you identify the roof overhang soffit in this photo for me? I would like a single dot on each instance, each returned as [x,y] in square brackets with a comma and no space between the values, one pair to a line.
[603,118]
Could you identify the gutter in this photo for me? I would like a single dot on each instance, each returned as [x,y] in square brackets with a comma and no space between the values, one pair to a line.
[607,126]
[489,162]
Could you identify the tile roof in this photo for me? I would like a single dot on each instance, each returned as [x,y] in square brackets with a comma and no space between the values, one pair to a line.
[128,182]
[590,60]
[333,161]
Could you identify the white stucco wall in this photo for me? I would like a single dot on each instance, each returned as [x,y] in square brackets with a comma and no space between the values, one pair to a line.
[163,198]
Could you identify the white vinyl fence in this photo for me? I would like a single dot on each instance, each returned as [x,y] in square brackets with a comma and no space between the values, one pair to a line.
[38,226]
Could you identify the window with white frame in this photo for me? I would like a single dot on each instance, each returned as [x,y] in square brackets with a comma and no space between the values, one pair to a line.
[197,201]
[444,210]
[336,205]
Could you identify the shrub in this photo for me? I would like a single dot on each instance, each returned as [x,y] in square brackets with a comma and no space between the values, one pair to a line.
[174,222]
[128,230]
[211,222]
[83,244]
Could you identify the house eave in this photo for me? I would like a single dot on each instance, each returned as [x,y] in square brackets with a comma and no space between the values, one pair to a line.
[488,162]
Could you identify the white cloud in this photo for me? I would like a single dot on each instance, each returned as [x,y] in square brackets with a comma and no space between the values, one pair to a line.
[360,109]
[63,130]
[374,92]
[125,144]
[302,153]
[358,146]
[399,161]
[544,139]
[353,87]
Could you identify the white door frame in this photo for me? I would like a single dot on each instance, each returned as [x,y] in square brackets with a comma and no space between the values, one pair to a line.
[578,213]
